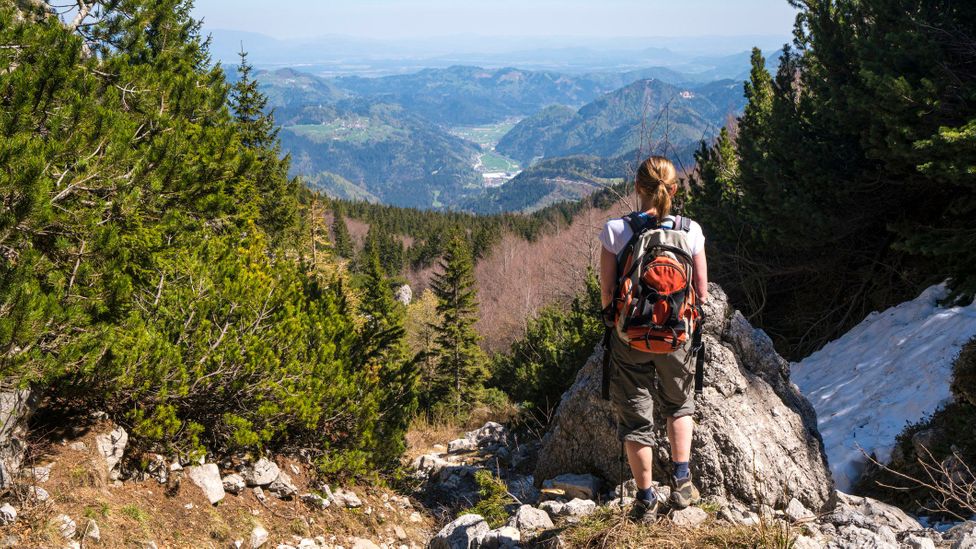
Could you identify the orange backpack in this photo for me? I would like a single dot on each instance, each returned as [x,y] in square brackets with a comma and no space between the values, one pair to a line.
[656,308]
[656,302]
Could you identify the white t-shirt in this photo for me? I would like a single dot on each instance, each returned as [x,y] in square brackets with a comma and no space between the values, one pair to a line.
[616,234]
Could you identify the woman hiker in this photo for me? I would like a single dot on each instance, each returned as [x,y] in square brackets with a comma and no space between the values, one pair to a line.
[632,388]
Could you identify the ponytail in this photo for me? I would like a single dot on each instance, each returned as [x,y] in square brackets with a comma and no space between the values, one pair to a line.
[656,181]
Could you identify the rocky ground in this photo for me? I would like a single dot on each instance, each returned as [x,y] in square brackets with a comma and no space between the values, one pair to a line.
[758,460]
[582,509]
[87,491]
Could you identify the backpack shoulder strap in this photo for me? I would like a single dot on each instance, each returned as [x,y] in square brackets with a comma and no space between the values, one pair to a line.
[638,223]
[682,223]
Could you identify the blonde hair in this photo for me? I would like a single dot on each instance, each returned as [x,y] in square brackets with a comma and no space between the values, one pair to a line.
[656,180]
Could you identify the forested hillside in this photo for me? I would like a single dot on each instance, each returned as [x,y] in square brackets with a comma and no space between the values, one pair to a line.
[847,186]
[472,95]
[409,140]
[386,152]
[647,115]
[551,181]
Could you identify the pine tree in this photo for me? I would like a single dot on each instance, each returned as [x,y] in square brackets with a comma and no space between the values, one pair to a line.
[383,350]
[340,234]
[460,361]
[276,193]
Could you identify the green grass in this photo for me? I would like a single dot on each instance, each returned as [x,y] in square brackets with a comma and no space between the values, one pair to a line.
[134,513]
[488,135]
[494,162]
[351,129]
[96,511]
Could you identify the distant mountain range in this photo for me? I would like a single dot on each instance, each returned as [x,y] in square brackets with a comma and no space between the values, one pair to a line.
[642,115]
[395,139]
[335,54]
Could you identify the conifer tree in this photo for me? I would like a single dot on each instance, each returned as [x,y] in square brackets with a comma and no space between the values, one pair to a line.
[460,361]
[340,234]
[383,350]
[276,193]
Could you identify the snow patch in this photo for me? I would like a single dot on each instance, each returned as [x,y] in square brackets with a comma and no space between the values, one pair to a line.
[892,369]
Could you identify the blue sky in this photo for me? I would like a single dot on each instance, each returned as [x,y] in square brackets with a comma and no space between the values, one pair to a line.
[397,19]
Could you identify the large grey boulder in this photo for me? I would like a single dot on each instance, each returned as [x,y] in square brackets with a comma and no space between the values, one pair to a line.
[756,438]
[869,513]
[462,533]
[207,477]
[16,407]
[528,519]
[505,537]
[262,473]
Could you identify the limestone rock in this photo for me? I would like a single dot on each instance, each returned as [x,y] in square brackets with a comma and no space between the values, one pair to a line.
[262,473]
[553,508]
[523,488]
[578,508]
[66,526]
[851,536]
[16,408]
[505,537]
[806,542]
[741,451]
[234,483]
[796,512]
[346,498]
[38,494]
[918,542]
[489,434]
[528,519]
[430,463]
[574,486]
[356,543]
[870,514]
[158,468]
[39,474]
[461,445]
[207,477]
[404,294]
[259,536]
[92,532]
[461,533]
[283,487]
[966,541]
[689,517]
[314,501]
[111,446]
[8,515]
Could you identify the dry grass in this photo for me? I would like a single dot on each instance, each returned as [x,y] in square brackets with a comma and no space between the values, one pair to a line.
[139,512]
[608,529]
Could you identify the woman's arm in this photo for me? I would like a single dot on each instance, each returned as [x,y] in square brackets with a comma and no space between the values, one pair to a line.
[608,276]
[701,276]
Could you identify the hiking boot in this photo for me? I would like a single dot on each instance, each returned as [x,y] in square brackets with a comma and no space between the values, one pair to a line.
[684,493]
[644,512]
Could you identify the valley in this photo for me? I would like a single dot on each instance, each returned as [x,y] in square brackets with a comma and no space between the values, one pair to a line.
[494,167]
[468,138]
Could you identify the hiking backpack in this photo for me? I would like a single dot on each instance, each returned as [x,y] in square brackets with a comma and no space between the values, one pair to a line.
[656,308]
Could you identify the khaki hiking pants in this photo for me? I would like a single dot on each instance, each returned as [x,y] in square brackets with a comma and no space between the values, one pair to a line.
[638,379]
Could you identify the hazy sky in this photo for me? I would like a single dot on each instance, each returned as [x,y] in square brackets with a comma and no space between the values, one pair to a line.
[425,18]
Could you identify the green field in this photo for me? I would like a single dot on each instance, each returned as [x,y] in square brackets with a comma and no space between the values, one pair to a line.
[487,136]
[356,130]
[495,162]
